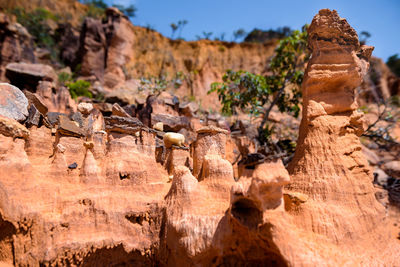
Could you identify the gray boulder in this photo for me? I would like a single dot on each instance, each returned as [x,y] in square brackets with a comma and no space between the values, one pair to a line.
[13,102]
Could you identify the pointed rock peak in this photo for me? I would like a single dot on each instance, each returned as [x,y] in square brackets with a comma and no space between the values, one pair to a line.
[328,26]
[337,65]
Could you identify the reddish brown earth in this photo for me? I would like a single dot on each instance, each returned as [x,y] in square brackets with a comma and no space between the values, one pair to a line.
[116,54]
[69,10]
[124,51]
[341,214]
[98,185]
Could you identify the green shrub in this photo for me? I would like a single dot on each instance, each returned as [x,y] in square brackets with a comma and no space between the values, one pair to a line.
[96,8]
[64,77]
[79,88]
[129,11]
[257,94]
[261,36]
[364,109]
[240,33]
[394,64]
[395,101]
[96,3]
[191,98]
[37,24]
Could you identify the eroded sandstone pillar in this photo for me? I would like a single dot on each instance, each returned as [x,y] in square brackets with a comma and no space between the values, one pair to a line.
[341,216]
[210,141]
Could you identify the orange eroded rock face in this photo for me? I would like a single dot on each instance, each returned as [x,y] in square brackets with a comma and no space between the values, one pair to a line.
[341,216]
[109,203]
[105,191]
[116,52]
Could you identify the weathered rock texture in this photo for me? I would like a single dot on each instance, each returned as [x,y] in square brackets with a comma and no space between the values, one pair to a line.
[27,76]
[341,223]
[108,205]
[202,62]
[114,51]
[16,44]
[13,103]
[380,83]
[89,190]
[56,98]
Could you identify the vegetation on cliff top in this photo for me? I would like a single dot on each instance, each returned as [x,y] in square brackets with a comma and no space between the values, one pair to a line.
[38,23]
[257,94]
[261,36]
[96,8]
[76,87]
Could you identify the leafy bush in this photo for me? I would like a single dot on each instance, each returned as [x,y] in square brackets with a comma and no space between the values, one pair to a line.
[242,90]
[395,101]
[364,36]
[64,77]
[178,27]
[238,34]
[129,11]
[394,64]
[257,94]
[37,24]
[96,8]
[221,48]
[96,3]
[79,88]
[260,36]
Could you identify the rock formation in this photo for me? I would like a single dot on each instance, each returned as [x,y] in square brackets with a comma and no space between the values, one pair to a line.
[13,103]
[114,52]
[92,51]
[89,187]
[27,76]
[341,216]
[195,206]
[16,43]
[67,9]
[95,201]
[380,83]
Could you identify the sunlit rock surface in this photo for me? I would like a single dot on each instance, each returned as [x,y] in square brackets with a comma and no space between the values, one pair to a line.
[92,189]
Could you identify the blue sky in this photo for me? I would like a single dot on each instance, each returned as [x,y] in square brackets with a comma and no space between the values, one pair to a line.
[381,18]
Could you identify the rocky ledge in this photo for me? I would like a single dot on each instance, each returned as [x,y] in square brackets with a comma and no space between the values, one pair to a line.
[91,185]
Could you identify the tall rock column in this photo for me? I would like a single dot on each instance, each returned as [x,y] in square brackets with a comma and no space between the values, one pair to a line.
[342,216]
[120,38]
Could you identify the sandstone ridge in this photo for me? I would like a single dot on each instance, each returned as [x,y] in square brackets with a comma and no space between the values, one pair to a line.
[106,187]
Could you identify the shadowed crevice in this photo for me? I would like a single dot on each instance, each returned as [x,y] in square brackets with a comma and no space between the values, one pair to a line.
[246,212]
[7,230]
